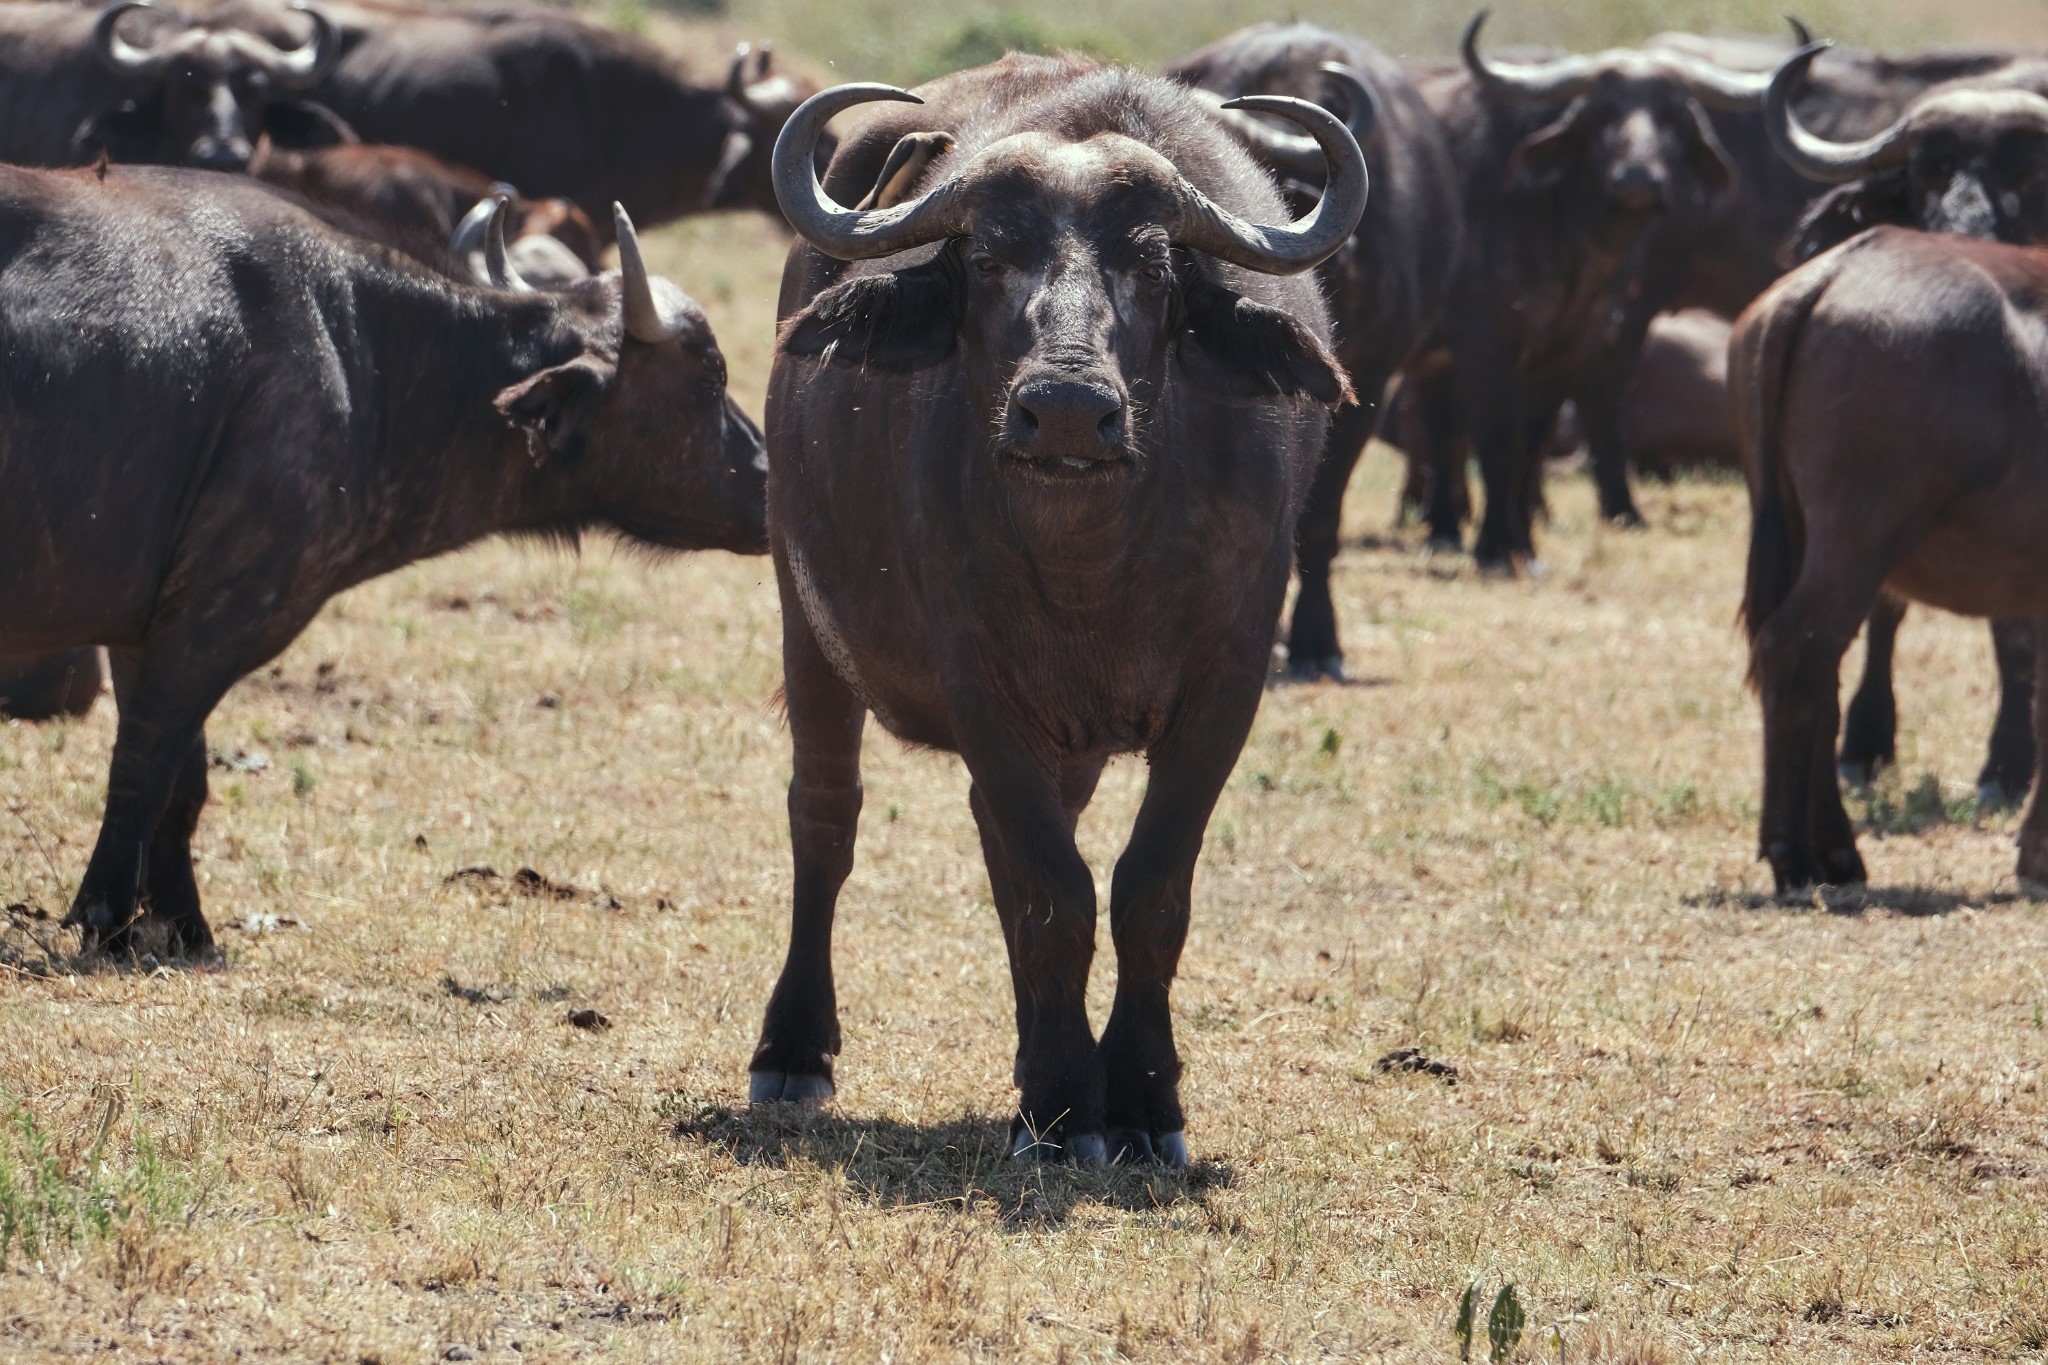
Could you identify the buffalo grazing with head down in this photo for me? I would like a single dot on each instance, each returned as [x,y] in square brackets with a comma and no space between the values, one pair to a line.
[216,412]
[1037,458]
[553,103]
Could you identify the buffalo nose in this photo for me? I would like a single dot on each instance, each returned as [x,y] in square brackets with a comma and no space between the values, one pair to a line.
[1068,417]
[1635,187]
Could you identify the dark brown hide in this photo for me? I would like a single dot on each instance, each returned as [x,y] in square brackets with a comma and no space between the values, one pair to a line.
[1031,500]
[66,683]
[1385,287]
[1890,396]
[216,412]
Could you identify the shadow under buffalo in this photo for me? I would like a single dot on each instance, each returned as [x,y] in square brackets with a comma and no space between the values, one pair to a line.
[960,1165]
[1915,901]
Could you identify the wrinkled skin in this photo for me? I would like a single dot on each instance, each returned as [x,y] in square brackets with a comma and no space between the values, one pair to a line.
[294,411]
[61,106]
[1385,287]
[1890,393]
[1031,500]
[550,102]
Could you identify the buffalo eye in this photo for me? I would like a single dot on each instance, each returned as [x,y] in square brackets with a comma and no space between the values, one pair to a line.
[1154,272]
[985,265]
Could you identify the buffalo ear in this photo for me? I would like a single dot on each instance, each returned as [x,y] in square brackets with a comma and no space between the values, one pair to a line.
[905,320]
[302,125]
[1239,348]
[553,407]
[1542,160]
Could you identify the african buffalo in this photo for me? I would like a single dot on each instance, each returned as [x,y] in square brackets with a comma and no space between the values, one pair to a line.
[554,104]
[1969,157]
[1569,169]
[1036,463]
[140,82]
[1386,284]
[1890,396]
[216,412]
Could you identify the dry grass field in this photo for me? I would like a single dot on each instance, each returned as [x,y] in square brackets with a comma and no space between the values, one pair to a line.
[1687,1121]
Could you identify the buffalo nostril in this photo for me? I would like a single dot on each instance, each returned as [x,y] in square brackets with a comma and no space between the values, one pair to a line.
[1074,417]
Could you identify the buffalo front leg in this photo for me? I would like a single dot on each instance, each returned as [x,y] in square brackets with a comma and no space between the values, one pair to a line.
[2009,763]
[1045,898]
[155,787]
[1870,728]
[1149,907]
[2033,866]
[800,1033]
[1313,650]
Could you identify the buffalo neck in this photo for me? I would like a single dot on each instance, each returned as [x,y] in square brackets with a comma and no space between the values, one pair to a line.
[437,465]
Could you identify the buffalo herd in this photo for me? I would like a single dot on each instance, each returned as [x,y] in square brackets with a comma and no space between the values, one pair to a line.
[1073,365]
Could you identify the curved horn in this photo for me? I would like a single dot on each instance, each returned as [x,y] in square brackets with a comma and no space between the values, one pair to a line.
[469,236]
[1716,87]
[1207,227]
[498,269]
[296,68]
[1802,36]
[1816,158]
[121,56]
[652,315]
[1563,79]
[736,74]
[851,234]
[1294,154]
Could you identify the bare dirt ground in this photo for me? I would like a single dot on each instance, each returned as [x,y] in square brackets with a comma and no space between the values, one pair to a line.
[1687,1121]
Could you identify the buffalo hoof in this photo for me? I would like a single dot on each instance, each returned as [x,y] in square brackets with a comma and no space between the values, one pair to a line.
[1083,1149]
[98,921]
[1315,670]
[1858,773]
[1444,545]
[1133,1147]
[1627,519]
[782,1087]
[2000,795]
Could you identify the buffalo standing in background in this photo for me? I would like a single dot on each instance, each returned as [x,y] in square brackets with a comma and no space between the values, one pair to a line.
[1387,283]
[1968,157]
[1037,460]
[140,82]
[216,412]
[552,103]
[1891,396]
[1568,170]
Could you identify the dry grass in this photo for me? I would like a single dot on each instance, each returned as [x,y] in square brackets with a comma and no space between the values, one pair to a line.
[1688,1121]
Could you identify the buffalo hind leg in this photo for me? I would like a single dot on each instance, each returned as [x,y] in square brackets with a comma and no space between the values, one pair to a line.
[164,696]
[2033,863]
[1313,650]
[1870,729]
[800,1032]
[1797,655]
[1149,907]
[2009,761]
[170,892]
